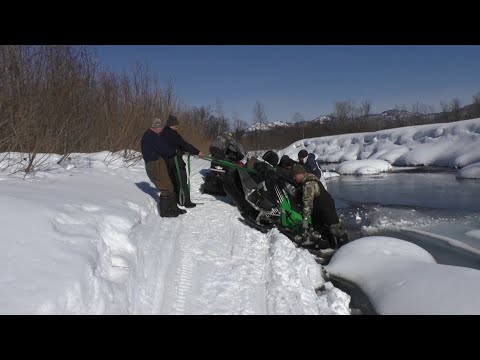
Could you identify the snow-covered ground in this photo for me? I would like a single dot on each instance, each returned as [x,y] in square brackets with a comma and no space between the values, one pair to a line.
[402,278]
[453,145]
[85,237]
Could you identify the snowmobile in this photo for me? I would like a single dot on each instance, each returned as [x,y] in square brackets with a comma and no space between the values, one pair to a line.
[265,198]
[223,148]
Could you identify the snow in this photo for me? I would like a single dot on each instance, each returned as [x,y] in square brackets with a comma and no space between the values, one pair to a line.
[329,174]
[475,234]
[363,167]
[446,144]
[401,278]
[85,237]
[258,126]
[471,171]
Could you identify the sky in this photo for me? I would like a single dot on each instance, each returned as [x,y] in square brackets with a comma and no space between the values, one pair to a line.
[307,79]
[84,237]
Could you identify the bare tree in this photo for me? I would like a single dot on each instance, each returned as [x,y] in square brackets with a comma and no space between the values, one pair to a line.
[239,126]
[345,113]
[365,108]
[455,105]
[419,113]
[259,114]
[476,106]
[57,99]
[420,108]
[476,98]
[299,122]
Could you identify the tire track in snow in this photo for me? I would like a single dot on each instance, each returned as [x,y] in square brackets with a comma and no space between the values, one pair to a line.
[185,278]
[178,257]
[208,262]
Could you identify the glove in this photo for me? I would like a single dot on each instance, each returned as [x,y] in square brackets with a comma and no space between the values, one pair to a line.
[305,224]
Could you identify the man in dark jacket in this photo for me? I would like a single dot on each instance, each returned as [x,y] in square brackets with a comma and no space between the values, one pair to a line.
[154,152]
[318,203]
[171,136]
[311,166]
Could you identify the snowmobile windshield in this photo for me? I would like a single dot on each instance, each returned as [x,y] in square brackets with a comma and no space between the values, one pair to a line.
[235,152]
[225,147]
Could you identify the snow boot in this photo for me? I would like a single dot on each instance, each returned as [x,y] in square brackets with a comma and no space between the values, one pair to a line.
[174,207]
[164,207]
[339,233]
[189,204]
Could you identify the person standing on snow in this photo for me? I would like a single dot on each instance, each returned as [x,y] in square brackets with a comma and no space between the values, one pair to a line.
[311,166]
[154,153]
[171,136]
[318,203]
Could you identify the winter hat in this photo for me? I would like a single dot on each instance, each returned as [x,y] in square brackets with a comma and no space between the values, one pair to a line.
[302,154]
[156,123]
[285,161]
[271,157]
[298,169]
[172,121]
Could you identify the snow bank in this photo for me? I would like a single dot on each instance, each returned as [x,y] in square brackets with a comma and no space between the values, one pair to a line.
[363,167]
[84,237]
[471,171]
[402,278]
[295,278]
[446,144]
[475,234]
[63,242]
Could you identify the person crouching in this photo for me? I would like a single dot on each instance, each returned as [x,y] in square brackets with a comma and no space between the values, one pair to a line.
[318,203]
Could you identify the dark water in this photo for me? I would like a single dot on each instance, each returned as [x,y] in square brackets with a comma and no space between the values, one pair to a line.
[427,198]
[438,190]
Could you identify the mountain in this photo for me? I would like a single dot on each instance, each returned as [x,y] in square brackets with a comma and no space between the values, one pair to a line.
[267,126]
[388,116]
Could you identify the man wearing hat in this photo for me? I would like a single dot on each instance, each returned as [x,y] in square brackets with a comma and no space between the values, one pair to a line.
[311,166]
[318,203]
[154,152]
[285,166]
[171,136]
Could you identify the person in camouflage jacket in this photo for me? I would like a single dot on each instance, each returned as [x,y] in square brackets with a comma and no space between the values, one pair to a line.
[319,204]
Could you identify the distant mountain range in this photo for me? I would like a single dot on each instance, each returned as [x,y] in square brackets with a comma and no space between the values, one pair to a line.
[387,116]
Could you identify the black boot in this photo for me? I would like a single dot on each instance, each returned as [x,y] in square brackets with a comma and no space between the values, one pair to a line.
[187,202]
[174,208]
[164,207]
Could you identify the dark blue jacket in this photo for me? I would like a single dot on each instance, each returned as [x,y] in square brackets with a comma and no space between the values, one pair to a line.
[153,146]
[176,141]
[312,166]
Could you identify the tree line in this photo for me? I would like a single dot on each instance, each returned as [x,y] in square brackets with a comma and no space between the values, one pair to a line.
[61,100]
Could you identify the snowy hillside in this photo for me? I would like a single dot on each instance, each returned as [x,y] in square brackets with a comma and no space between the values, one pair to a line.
[267,126]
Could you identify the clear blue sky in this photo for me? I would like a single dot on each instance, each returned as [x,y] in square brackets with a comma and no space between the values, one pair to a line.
[307,79]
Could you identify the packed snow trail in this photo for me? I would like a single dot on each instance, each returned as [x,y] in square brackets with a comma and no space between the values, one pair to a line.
[208,262]
[85,237]
[184,269]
